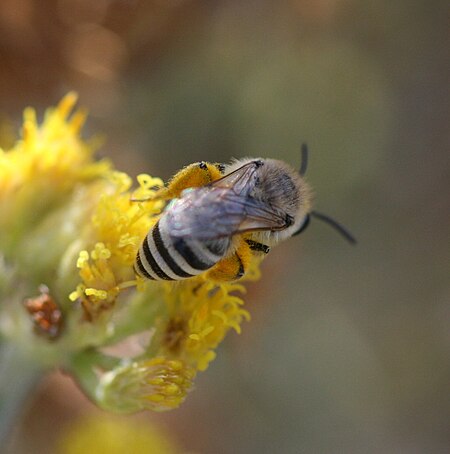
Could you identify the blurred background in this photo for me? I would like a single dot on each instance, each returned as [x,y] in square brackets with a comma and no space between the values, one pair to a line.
[348,349]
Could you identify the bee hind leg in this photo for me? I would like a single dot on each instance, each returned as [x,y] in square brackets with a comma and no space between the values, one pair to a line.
[228,269]
[233,267]
[193,176]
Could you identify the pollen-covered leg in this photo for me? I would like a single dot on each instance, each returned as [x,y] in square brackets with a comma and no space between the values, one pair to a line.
[228,269]
[193,176]
[233,267]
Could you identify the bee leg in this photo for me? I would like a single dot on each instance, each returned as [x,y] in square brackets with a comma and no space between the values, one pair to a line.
[258,247]
[193,176]
[228,269]
[233,267]
[241,269]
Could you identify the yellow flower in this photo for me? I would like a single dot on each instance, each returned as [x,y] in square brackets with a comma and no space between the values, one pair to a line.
[75,224]
[42,168]
[153,384]
[200,313]
[117,228]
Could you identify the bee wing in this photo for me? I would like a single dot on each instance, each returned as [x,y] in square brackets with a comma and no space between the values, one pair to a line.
[210,213]
[240,180]
[258,215]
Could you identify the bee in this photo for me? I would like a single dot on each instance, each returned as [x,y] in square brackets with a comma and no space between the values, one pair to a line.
[219,216]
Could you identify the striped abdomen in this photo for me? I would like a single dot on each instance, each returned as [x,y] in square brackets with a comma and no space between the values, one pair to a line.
[163,257]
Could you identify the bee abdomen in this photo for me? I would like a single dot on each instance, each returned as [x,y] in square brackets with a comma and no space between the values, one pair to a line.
[163,257]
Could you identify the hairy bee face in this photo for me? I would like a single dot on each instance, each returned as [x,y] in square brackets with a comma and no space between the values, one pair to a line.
[278,185]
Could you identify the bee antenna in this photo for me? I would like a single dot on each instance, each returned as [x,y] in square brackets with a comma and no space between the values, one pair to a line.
[304,162]
[331,222]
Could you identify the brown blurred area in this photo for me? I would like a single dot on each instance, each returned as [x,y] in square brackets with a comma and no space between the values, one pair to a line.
[50,46]
[348,349]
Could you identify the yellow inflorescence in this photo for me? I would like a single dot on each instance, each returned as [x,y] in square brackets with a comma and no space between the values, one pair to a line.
[202,316]
[42,180]
[118,226]
[41,171]
[201,312]
[50,153]
[157,384]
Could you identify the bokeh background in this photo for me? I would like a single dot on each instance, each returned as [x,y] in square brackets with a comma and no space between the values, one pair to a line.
[348,349]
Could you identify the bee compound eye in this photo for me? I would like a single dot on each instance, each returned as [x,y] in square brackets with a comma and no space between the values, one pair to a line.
[303,226]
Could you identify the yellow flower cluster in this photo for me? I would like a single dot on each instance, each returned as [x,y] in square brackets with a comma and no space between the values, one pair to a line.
[49,151]
[48,162]
[153,384]
[52,187]
[117,228]
[200,313]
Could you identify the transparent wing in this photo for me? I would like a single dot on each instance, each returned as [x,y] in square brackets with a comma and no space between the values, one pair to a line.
[260,216]
[240,180]
[215,212]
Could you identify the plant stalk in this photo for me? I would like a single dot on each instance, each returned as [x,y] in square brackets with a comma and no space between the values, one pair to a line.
[19,375]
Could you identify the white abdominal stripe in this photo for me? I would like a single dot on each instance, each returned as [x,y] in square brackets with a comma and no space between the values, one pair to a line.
[163,257]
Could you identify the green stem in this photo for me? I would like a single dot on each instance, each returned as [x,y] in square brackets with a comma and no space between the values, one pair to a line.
[140,315]
[82,369]
[18,376]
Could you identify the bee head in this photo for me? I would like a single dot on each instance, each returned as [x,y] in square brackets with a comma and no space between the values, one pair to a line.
[281,186]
